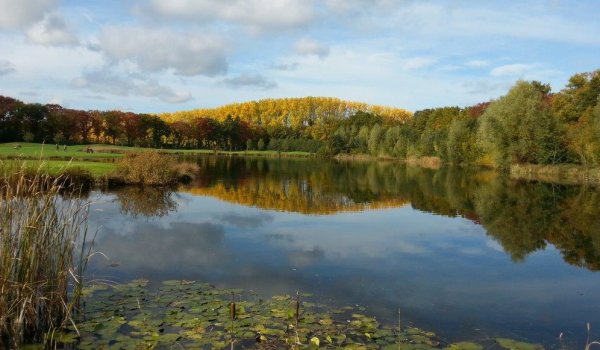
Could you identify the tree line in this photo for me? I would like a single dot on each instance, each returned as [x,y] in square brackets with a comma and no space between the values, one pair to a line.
[530,124]
[34,122]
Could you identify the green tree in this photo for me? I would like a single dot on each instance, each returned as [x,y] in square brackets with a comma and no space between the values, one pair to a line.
[249,145]
[520,127]
[261,145]
[462,143]
[28,137]
[375,139]
[59,137]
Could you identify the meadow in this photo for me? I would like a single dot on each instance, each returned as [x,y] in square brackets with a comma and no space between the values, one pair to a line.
[102,161]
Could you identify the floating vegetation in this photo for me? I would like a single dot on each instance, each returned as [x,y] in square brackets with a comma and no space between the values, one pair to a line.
[190,315]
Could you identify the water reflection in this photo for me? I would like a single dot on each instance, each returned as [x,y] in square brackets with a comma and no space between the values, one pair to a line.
[466,254]
[147,201]
[522,217]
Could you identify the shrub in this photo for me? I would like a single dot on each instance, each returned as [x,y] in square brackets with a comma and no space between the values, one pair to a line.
[152,169]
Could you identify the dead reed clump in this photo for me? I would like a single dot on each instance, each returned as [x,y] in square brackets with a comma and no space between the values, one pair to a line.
[152,169]
[44,252]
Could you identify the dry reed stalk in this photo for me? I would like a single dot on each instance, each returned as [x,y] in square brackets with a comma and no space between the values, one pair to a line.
[44,252]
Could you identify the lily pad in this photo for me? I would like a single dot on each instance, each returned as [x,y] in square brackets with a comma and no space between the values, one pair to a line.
[515,345]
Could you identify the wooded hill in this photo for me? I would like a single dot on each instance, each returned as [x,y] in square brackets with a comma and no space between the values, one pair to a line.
[529,125]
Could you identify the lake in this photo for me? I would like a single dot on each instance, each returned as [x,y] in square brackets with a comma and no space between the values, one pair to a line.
[469,255]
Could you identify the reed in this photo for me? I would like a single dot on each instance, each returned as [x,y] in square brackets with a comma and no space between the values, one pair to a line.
[44,251]
[152,168]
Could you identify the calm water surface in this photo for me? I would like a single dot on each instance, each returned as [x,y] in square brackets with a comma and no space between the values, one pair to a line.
[468,255]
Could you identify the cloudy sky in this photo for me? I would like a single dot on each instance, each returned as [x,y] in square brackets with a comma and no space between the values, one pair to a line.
[166,55]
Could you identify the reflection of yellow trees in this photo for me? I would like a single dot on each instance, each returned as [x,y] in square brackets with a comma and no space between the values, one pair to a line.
[292,198]
[302,186]
[523,217]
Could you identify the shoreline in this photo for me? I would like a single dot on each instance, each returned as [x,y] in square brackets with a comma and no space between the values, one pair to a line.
[100,165]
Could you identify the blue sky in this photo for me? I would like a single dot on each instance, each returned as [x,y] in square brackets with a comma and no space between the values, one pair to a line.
[159,55]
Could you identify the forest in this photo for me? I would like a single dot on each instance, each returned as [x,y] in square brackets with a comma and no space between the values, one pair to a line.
[529,125]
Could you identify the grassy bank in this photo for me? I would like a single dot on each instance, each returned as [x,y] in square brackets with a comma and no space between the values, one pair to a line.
[78,152]
[103,162]
[58,167]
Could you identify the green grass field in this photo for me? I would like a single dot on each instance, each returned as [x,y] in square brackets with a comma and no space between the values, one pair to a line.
[75,156]
[36,150]
[56,167]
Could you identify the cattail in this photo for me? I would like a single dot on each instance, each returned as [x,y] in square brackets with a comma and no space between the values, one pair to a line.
[232,307]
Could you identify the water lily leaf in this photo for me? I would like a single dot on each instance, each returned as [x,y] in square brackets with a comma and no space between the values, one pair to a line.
[465,346]
[515,345]
[315,342]
[278,332]
[261,339]
[64,338]
[326,322]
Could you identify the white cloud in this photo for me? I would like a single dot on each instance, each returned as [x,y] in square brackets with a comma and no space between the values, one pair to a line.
[419,63]
[153,50]
[6,67]
[468,19]
[356,8]
[256,15]
[256,81]
[517,69]
[478,63]
[20,14]
[307,46]
[52,30]
[105,81]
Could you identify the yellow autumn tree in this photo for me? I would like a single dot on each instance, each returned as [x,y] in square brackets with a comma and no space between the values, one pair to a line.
[314,114]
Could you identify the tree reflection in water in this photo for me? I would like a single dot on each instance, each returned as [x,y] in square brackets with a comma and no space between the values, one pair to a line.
[522,216]
[147,202]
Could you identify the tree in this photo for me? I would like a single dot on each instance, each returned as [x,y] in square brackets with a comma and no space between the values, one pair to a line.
[375,139]
[28,137]
[97,123]
[59,137]
[462,142]
[519,127]
[113,121]
[261,145]
[249,145]
[575,107]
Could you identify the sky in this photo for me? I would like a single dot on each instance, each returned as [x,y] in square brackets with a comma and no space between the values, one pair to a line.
[167,55]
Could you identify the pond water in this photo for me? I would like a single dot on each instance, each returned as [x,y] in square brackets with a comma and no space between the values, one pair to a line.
[468,255]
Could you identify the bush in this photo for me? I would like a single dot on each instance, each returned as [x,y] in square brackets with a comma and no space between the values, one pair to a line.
[152,169]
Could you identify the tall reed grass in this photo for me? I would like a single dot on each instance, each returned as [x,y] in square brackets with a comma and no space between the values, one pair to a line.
[44,251]
[151,168]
